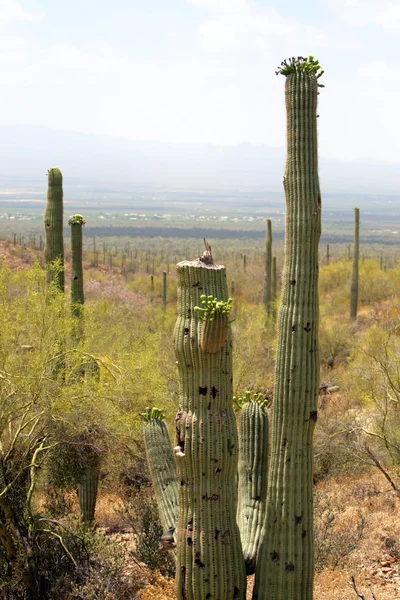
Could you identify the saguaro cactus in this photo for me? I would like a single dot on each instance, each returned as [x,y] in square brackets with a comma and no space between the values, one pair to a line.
[356,255]
[162,467]
[164,291]
[53,222]
[268,268]
[252,474]
[273,280]
[209,553]
[77,297]
[285,565]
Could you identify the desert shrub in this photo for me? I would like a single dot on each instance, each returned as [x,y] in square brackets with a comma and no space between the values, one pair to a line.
[139,511]
[337,532]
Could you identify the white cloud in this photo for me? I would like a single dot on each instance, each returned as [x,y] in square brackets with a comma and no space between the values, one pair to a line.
[11,10]
[383,13]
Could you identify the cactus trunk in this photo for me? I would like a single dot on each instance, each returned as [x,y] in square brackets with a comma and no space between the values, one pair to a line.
[268,269]
[273,282]
[53,221]
[209,554]
[285,566]
[163,471]
[77,297]
[252,479]
[356,255]
[88,493]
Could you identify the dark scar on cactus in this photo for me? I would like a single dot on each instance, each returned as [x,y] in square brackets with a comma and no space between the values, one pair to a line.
[208,595]
[186,331]
[307,328]
[189,541]
[293,327]
[314,416]
[203,391]
[289,567]
[214,392]
[274,556]
[198,562]
[217,532]
[298,520]
[303,535]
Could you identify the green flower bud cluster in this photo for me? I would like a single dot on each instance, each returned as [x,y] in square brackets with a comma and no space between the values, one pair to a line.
[153,414]
[76,220]
[251,397]
[213,307]
[300,65]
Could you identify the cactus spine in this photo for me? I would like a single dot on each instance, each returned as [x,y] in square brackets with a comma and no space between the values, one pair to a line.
[53,221]
[209,553]
[268,269]
[162,467]
[356,255]
[252,474]
[285,565]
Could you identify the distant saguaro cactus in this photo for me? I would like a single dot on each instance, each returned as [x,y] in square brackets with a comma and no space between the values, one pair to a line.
[285,565]
[268,269]
[77,296]
[53,222]
[356,256]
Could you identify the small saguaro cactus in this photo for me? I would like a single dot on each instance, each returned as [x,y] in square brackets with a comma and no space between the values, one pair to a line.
[356,256]
[162,467]
[285,565]
[53,222]
[252,473]
[164,291]
[77,297]
[268,269]
[209,552]
[274,281]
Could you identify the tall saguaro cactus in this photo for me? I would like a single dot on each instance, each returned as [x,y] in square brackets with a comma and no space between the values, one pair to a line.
[209,553]
[77,297]
[53,222]
[268,268]
[356,256]
[285,566]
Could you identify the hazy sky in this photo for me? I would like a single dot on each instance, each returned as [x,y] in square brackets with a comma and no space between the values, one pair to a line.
[202,70]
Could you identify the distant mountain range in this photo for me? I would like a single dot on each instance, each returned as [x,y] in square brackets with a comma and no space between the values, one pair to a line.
[26,152]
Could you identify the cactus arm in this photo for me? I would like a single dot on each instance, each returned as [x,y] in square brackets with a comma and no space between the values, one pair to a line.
[53,222]
[162,468]
[285,564]
[252,476]
[354,277]
[209,554]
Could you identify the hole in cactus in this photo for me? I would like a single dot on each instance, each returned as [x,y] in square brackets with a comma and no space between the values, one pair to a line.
[298,520]
[190,525]
[208,595]
[189,541]
[199,563]
[186,331]
[182,483]
[289,567]
[214,392]
[75,278]
[274,556]
[203,391]
[218,470]
[307,328]
[293,327]
[293,282]
[217,532]
[303,535]
[314,416]
[47,224]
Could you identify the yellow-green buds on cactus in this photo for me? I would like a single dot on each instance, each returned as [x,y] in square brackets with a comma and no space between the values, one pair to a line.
[214,315]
